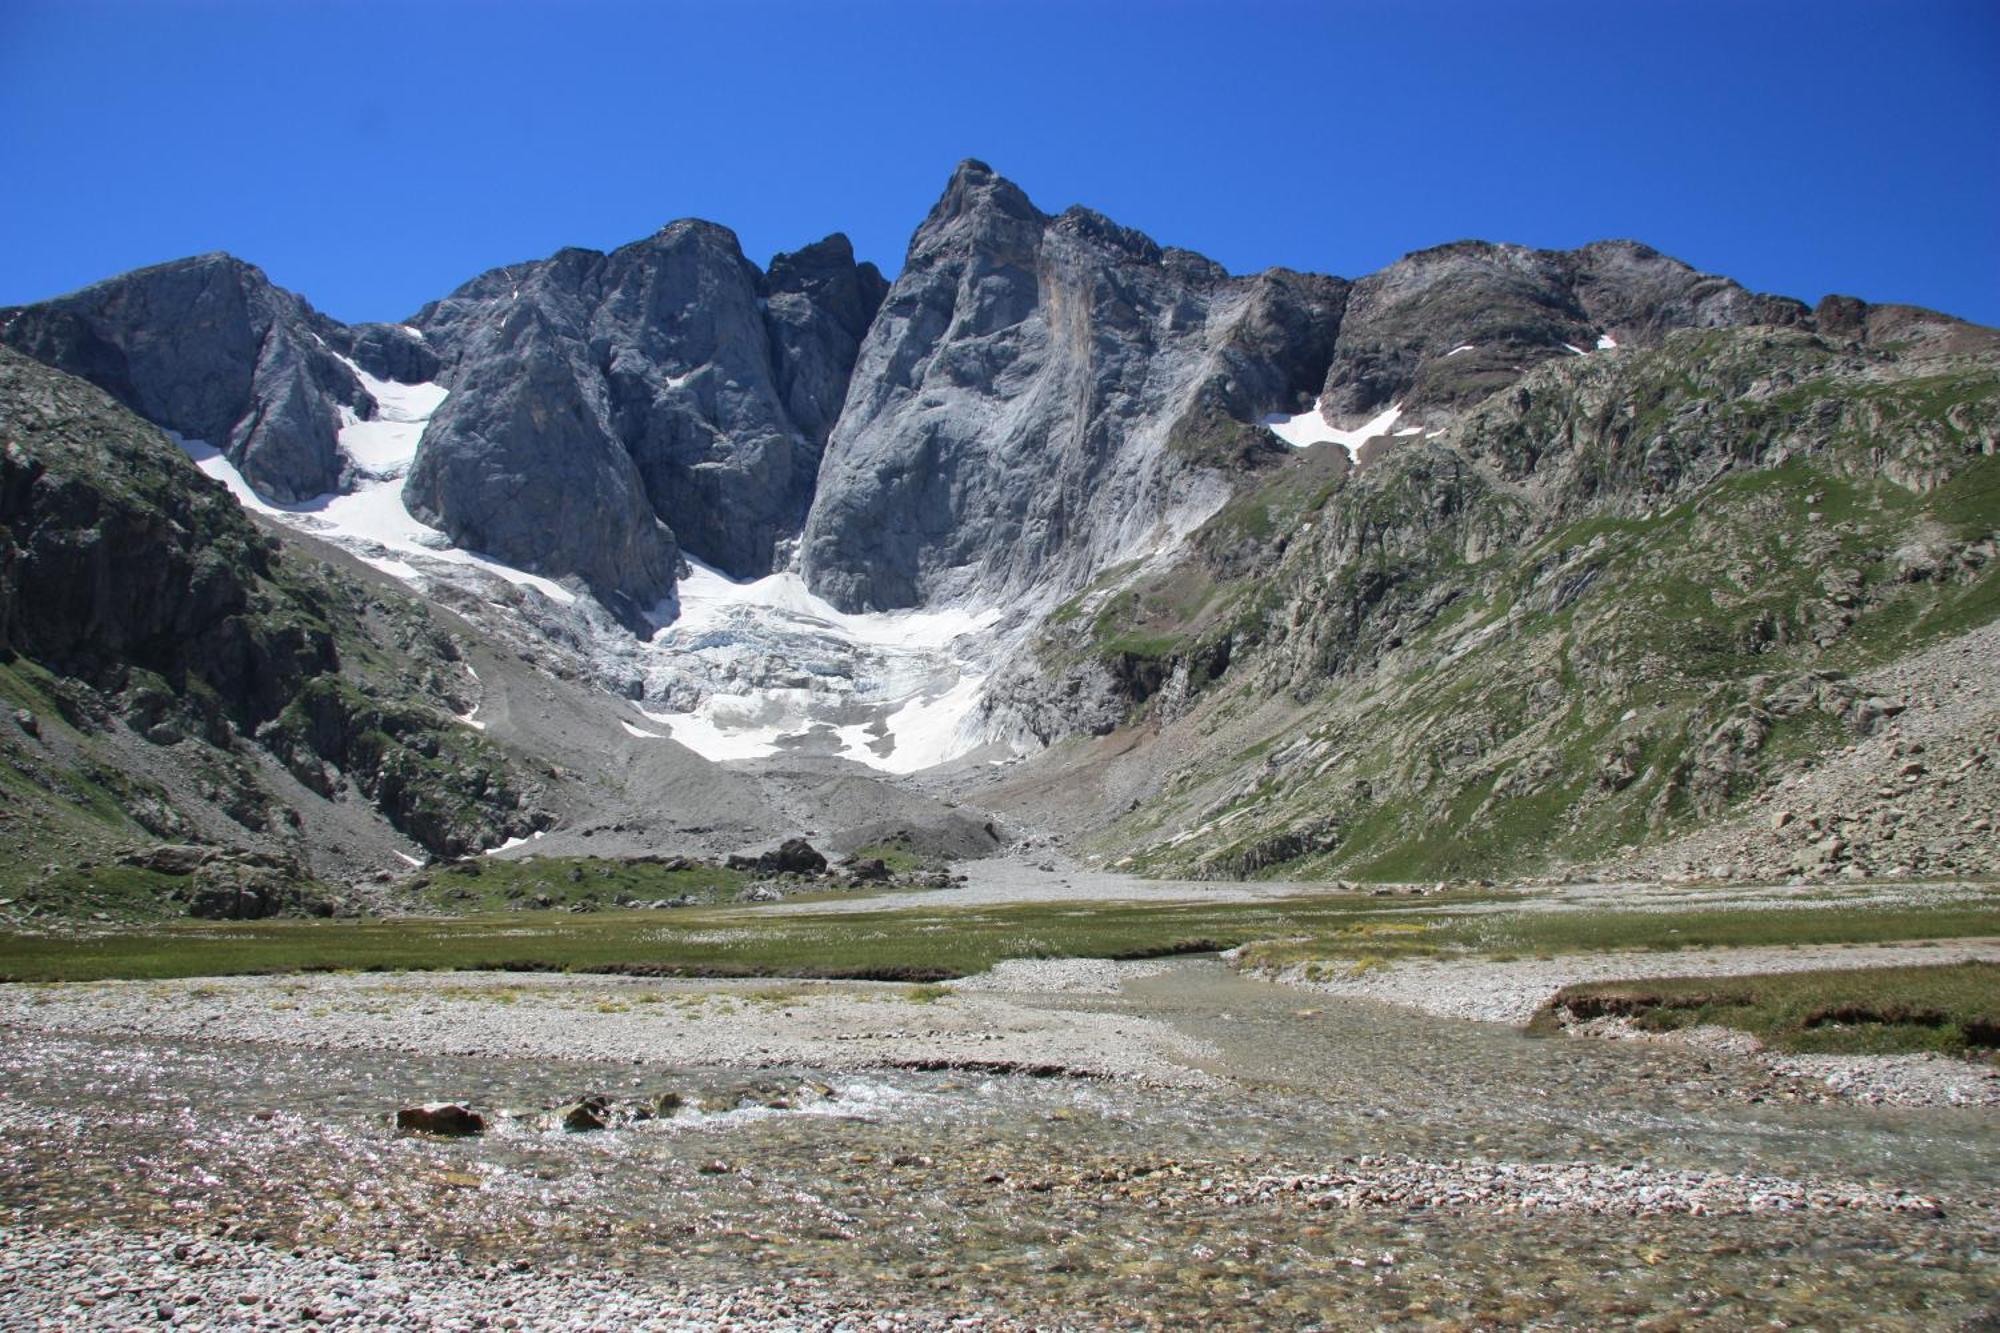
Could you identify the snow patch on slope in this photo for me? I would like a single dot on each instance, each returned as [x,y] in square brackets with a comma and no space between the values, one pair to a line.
[370,520]
[1310,428]
[385,446]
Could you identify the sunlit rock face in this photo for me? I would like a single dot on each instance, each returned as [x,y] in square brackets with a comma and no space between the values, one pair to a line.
[1013,409]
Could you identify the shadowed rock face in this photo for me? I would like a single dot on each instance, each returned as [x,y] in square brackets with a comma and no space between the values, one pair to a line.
[389,352]
[209,348]
[115,552]
[603,406]
[1010,419]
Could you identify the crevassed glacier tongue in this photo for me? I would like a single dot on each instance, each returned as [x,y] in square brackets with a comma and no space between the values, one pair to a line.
[765,667]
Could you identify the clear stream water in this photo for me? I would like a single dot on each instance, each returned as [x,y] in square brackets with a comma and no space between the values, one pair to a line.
[1055,1200]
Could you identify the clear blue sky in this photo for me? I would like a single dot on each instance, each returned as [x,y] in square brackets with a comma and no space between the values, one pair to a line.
[374,156]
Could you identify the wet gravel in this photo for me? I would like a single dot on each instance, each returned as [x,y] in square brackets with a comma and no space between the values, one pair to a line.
[1493,991]
[1337,1163]
[768,1024]
[107,1278]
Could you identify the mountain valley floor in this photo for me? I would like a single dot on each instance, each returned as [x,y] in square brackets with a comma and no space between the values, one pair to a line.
[1336,1122]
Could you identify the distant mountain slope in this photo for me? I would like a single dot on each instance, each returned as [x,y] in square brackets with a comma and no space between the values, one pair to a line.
[1604,606]
[209,348]
[177,675]
[1497,558]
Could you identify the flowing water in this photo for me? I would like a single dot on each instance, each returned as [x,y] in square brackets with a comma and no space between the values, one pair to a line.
[1058,1201]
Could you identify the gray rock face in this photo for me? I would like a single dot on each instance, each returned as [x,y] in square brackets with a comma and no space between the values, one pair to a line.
[1036,394]
[819,307]
[521,463]
[603,406]
[209,348]
[1510,307]
[1036,398]
[389,352]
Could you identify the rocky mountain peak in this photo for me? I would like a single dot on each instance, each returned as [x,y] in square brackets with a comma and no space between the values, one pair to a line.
[1442,328]
[695,231]
[825,274]
[981,208]
[1012,425]
[210,348]
[1089,224]
[678,393]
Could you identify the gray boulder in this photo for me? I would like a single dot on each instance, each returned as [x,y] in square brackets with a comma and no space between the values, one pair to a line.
[209,348]
[444,1119]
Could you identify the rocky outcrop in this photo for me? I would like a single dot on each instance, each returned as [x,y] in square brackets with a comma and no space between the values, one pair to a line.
[605,407]
[443,787]
[395,352]
[1016,405]
[168,615]
[209,348]
[795,856]
[1443,328]
[115,554]
[230,884]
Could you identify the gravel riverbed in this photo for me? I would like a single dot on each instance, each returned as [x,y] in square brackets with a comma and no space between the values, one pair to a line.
[747,1024]
[108,1278]
[221,1154]
[1511,991]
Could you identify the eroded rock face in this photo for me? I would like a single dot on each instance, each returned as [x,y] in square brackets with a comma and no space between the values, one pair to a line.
[609,409]
[1015,406]
[209,348]
[1443,328]
[116,552]
[389,352]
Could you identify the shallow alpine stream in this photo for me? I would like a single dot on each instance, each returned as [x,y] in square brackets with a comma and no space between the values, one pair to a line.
[1055,1201]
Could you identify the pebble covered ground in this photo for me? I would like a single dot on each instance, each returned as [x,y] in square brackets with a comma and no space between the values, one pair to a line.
[829,1025]
[219,1154]
[1491,991]
[107,1278]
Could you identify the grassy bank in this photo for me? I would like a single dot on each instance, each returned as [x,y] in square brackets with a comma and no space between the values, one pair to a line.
[916,943]
[1547,933]
[913,944]
[1953,1008]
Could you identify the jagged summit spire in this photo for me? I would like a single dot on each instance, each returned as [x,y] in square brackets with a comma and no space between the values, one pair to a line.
[975,188]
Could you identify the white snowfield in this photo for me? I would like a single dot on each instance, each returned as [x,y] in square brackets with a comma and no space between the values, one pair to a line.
[385,446]
[370,520]
[746,670]
[1310,428]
